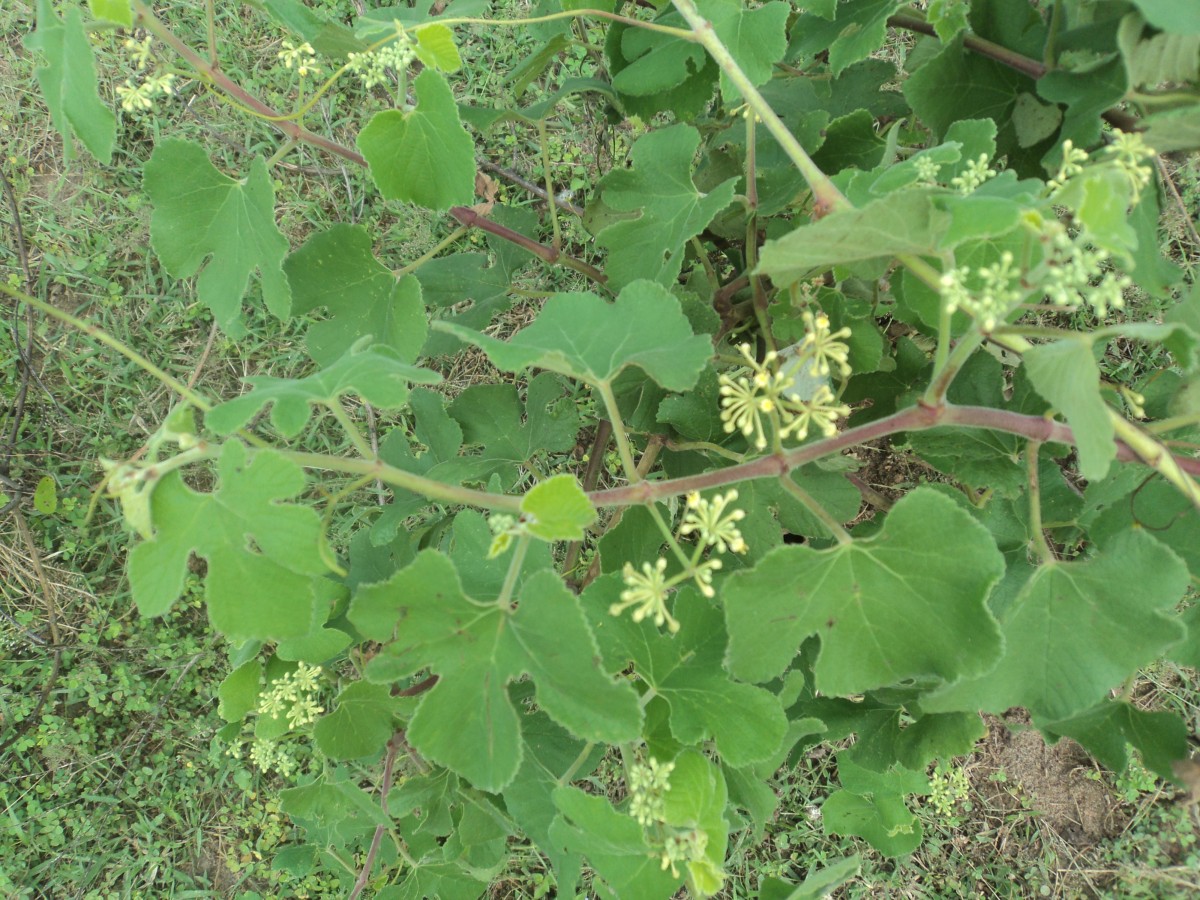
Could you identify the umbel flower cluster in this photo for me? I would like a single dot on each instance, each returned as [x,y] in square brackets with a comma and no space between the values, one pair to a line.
[302,58]
[649,783]
[1073,272]
[292,697]
[715,524]
[761,396]
[140,96]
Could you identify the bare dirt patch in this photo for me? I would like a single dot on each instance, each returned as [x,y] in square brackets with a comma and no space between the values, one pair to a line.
[1016,769]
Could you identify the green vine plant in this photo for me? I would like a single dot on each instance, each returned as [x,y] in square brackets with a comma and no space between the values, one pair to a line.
[795,262]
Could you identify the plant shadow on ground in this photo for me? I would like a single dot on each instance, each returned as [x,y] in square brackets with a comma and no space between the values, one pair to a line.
[118,787]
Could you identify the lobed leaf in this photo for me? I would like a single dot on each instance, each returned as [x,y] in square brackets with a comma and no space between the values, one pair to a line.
[1076,629]
[202,215]
[336,269]
[264,593]
[373,374]
[870,601]
[670,209]
[585,337]
[467,722]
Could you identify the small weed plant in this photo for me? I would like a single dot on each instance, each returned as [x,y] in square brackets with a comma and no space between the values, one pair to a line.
[652,542]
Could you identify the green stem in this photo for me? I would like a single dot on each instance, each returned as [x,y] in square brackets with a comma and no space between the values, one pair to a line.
[1050,50]
[100,336]
[681,33]
[284,149]
[624,448]
[831,524]
[543,140]
[425,257]
[935,394]
[688,564]
[709,272]
[434,490]
[707,447]
[825,192]
[514,570]
[327,554]
[1040,544]
[361,444]
[1174,469]
[1175,422]
[945,337]
[577,764]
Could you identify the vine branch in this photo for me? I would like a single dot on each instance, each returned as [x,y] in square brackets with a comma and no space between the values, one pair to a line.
[1011,58]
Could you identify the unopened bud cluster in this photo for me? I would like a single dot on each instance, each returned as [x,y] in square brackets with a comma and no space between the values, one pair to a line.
[648,785]
[683,847]
[976,173]
[373,68]
[988,294]
[293,697]
[1076,273]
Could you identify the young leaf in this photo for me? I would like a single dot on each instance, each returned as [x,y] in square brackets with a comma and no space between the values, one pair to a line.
[336,269]
[68,82]
[436,47]
[1076,629]
[585,337]
[265,595]
[557,509]
[422,156]
[117,11]
[948,18]
[467,721]
[200,213]
[671,210]
[374,374]
[868,601]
